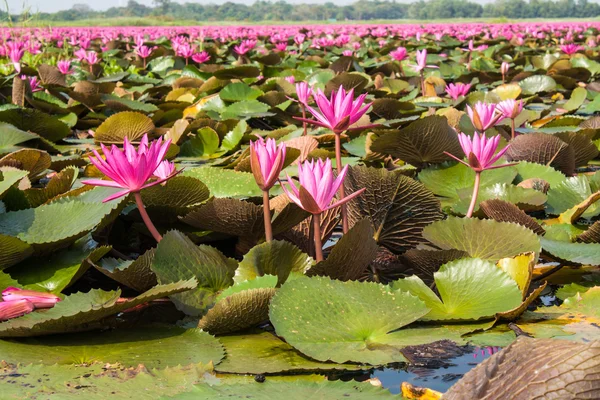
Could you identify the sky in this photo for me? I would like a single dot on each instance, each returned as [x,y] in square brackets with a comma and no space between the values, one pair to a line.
[16,6]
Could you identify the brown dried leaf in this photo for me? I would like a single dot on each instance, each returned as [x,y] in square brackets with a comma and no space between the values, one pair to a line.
[503,211]
[543,149]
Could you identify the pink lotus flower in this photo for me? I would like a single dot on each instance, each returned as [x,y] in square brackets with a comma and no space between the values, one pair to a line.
[201,58]
[483,116]
[340,111]
[317,187]
[399,54]
[299,38]
[144,51]
[422,61]
[186,51]
[303,91]
[92,58]
[281,46]
[38,299]
[14,309]
[15,53]
[34,83]
[455,90]
[480,151]
[266,161]
[290,78]
[347,53]
[64,67]
[81,54]
[510,108]
[504,67]
[129,169]
[570,49]
[164,170]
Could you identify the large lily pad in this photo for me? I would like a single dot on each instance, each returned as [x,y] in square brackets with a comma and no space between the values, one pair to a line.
[470,289]
[580,253]
[545,149]
[136,274]
[226,182]
[127,124]
[342,321]
[397,206]
[486,239]
[570,193]
[423,141]
[79,311]
[10,176]
[11,136]
[31,120]
[154,347]
[177,257]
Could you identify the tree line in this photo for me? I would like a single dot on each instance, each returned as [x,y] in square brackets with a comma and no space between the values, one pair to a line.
[361,10]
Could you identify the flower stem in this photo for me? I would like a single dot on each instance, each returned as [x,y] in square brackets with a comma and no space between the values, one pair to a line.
[303,117]
[146,217]
[512,127]
[475,194]
[423,89]
[317,237]
[341,193]
[267,215]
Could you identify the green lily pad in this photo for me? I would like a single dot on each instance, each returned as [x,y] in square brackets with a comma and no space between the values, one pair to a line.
[127,124]
[537,83]
[79,311]
[177,197]
[523,197]
[245,109]
[486,239]
[570,193]
[123,104]
[448,180]
[153,346]
[203,145]
[226,182]
[528,170]
[238,91]
[470,289]
[581,253]
[277,258]
[260,282]
[12,251]
[397,206]
[58,271]
[10,176]
[177,257]
[294,390]
[136,274]
[342,321]
[30,120]
[264,353]
[244,71]
[11,136]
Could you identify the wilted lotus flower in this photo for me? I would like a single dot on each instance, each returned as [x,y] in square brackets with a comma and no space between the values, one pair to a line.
[201,57]
[129,169]
[480,154]
[14,309]
[483,116]
[316,192]
[64,66]
[266,162]
[455,90]
[570,49]
[38,299]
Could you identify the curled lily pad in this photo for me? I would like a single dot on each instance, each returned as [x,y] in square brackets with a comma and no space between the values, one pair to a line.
[486,239]
[580,253]
[32,160]
[128,124]
[470,289]
[503,211]
[10,177]
[136,274]
[422,142]
[397,206]
[543,149]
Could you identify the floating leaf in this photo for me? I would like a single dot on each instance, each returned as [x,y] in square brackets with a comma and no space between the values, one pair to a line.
[486,239]
[10,176]
[342,321]
[177,258]
[35,121]
[537,83]
[32,160]
[229,216]
[543,148]
[571,192]
[527,199]
[153,347]
[397,206]
[127,124]
[79,311]
[503,211]
[469,289]
[226,182]
[527,170]
[277,258]
[136,274]
[422,142]
[239,91]
[11,136]
[581,253]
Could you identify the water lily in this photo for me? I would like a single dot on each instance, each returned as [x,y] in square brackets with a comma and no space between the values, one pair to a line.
[64,66]
[399,55]
[266,162]
[15,308]
[420,67]
[504,67]
[456,90]
[480,155]
[510,109]
[570,48]
[318,187]
[483,115]
[303,92]
[38,299]
[130,169]
[201,58]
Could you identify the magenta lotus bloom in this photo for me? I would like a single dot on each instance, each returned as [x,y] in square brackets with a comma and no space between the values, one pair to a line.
[504,67]
[38,299]
[164,170]
[92,58]
[303,91]
[483,116]
[422,61]
[201,57]
[570,49]
[317,187]
[510,108]
[455,90]
[144,51]
[399,54]
[340,111]
[64,67]
[15,308]
[129,169]
[15,53]
[266,161]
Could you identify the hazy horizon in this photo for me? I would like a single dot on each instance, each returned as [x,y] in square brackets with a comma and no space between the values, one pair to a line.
[17,6]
